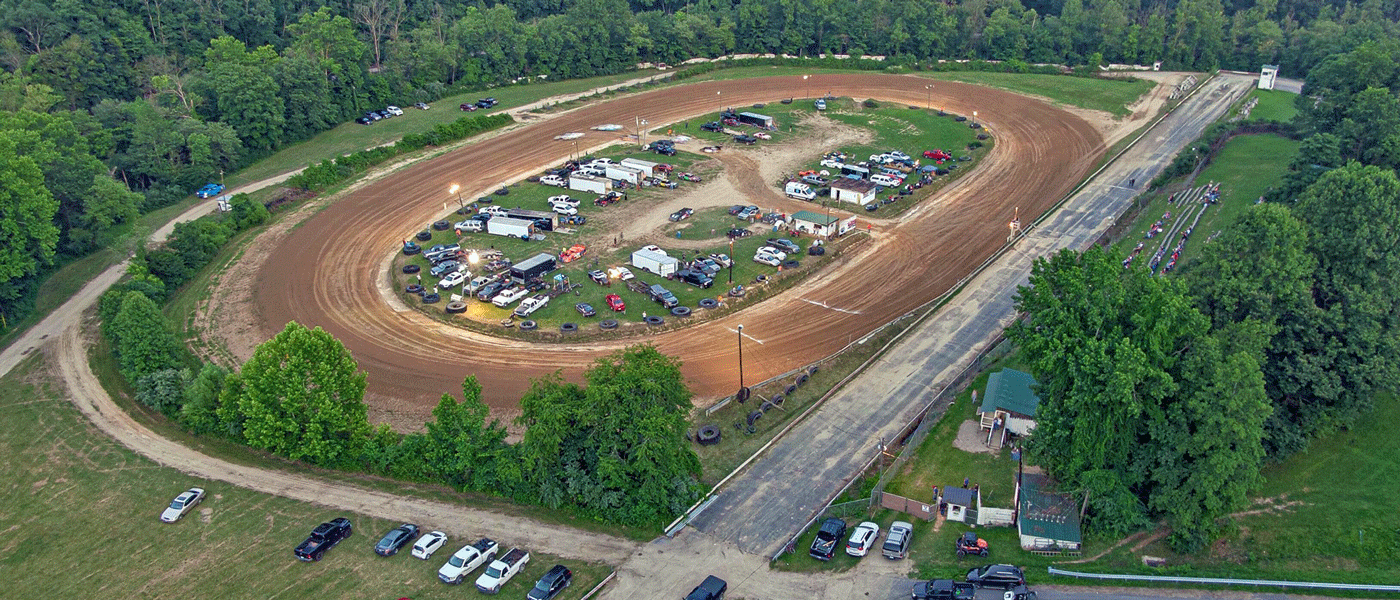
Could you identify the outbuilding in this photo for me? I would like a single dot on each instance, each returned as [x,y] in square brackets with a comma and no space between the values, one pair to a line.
[647,167]
[962,503]
[817,224]
[655,262]
[532,268]
[589,183]
[624,173]
[1047,521]
[1008,406]
[1267,75]
[506,226]
[857,191]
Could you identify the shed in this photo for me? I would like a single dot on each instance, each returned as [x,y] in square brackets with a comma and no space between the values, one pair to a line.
[852,190]
[962,503]
[589,183]
[807,221]
[1267,75]
[1010,397]
[1045,519]
[647,167]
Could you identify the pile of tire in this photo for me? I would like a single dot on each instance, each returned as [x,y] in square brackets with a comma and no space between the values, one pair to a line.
[708,303]
[529,325]
[654,320]
[680,311]
[708,435]
[456,307]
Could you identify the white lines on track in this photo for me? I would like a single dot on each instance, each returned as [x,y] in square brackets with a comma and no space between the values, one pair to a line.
[824,305]
[732,330]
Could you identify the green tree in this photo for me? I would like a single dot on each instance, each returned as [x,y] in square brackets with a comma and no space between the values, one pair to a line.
[245,93]
[199,412]
[302,397]
[142,338]
[163,390]
[28,236]
[462,448]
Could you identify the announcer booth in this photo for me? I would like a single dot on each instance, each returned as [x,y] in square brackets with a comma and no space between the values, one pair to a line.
[1267,75]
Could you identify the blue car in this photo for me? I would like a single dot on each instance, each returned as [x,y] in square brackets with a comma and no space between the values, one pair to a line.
[209,191]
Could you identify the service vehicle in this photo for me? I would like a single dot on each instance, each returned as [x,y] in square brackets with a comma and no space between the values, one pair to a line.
[799,190]
[397,538]
[554,581]
[830,534]
[428,544]
[897,542]
[467,560]
[969,543]
[324,537]
[502,570]
[182,504]
[862,539]
[712,588]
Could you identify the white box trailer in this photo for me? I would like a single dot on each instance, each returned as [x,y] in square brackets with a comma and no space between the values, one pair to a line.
[589,183]
[647,167]
[655,262]
[624,173]
[506,226]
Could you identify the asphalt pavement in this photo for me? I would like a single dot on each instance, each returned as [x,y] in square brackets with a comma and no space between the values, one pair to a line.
[762,508]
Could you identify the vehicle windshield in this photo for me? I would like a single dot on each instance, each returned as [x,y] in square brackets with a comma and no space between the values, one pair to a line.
[493,572]
[456,561]
[177,504]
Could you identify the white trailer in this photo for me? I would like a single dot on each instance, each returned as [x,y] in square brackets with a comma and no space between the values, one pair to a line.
[506,226]
[655,262]
[647,167]
[588,183]
[623,173]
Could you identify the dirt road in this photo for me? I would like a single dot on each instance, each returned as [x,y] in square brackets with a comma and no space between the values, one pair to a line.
[328,271]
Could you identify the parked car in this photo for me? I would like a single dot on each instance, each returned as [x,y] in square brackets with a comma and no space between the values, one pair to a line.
[663,296]
[585,309]
[489,291]
[467,559]
[554,180]
[682,214]
[897,542]
[599,277]
[531,304]
[445,268]
[748,212]
[767,259]
[553,582]
[615,302]
[384,114]
[830,534]
[468,106]
[771,251]
[373,115]
[182,504]
[738,233]
[210,190]
[736,209]
[999,576]
[722,259]
[564,209]
[428,544]
[862,539]
[394,110]
[785,245]
[324,537]
[574,253]
[712,588]
[563,199]
[944,589]
[695,278]
[397,538]
[745,139]
[486,102]
[364,120]
[453,280]
[622,273]
[421,105]
[712,126]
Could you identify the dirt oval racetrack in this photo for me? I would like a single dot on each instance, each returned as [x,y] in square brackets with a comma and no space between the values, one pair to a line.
[328,272]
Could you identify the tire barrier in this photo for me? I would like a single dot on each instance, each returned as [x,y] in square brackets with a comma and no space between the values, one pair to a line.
[431,299]
[456,307]
[766,406]
[680,311]
[791,264]
[761,278]
[812,370]
[654,320]
[790,389]
[709,303]
[708,435]
[410,249]
[607,324]
[753,417]
[424,235]
[742,395]
[529,325]
[413,288]
[568,327]
[441,226]
[801,379]
[778,399]
[411,269]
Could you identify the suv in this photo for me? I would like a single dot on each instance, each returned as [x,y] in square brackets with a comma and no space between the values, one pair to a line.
[786,245]
[486,102]
[552,583]
[944,589]
[712,588]
[712,126]
[831,533]
[897,542]
[695,278]
[664,297]
[1002,576]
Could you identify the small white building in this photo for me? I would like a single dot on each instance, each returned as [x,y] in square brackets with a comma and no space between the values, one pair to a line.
[1267,75]
[858,191]
[589,183]
[962,503]
[814,223]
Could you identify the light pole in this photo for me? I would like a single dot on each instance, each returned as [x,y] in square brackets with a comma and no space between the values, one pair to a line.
[974,117]
[928,100]
[743,391]
[731,260]
[807,88]
[721,102]
[640,123]
[455,189]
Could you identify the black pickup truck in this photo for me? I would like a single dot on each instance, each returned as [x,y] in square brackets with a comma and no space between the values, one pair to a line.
[324,537]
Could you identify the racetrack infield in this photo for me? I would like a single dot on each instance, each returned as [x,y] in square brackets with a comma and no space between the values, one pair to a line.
[329,271]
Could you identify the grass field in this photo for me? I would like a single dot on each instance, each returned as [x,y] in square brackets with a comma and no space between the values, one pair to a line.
[78,499]
[1109,95]
[1274,105]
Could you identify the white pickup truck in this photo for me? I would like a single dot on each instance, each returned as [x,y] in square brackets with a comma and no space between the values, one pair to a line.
[530,305]
[501,570]
[467,560]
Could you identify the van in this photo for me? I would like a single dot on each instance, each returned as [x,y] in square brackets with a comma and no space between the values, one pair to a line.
[509,296]
[884,180]
[799,190]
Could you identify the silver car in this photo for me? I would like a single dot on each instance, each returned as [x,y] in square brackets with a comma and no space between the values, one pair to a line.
[182,504]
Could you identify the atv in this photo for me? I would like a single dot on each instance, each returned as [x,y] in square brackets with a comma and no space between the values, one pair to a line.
[969,543]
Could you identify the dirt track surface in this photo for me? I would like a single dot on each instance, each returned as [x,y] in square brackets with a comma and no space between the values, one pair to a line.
[328,272]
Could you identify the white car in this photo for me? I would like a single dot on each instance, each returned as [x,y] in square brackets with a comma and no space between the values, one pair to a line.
[654,248]
[722,260]
[428,544]
[564,209]
[767,259]
[492,210]
[622,273]
[897,155]
[394,110]
[454,279]
[771,251]
[554,180]
[563,199]
[509,296]
[593,171]
[182,504]
[832,163]
[478,283]
[862,539]
[469,225]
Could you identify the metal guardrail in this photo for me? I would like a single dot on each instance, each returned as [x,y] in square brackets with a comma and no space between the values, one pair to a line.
[1366,587]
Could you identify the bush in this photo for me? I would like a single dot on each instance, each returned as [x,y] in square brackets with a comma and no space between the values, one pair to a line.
[870,103]
[163,390]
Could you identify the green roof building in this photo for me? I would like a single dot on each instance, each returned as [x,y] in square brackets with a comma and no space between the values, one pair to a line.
[1045,519]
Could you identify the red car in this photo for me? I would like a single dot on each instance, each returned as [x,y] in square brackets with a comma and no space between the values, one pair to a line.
[937,155]
[615,302]
[468,107]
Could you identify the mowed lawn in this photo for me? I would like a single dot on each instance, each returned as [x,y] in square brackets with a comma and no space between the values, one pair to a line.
[1109,95]
[1274,105]
[80,521]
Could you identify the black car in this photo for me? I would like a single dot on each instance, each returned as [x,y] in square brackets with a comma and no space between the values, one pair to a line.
[746,139]
[682,214]
[944,589]
[695,278]
[552,583]
[1002,576]
[486,102]
[832,532]
[400,536]
[785,245]
[599,277]
[667,150]
[712,126]
[384,114]
[738,233]
[585,309]
[712,588]
[364,120]
[324,537]
[736,209]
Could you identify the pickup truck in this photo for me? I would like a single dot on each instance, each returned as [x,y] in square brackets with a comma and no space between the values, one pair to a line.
[501,570]
[324,537]
[467,560]
[531,305]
